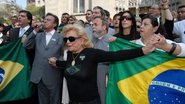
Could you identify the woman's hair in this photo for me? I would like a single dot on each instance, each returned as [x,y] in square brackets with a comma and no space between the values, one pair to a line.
[155,23]
[80,32]
[133,27]
[153,20]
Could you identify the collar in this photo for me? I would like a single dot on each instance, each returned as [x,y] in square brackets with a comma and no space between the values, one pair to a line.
[26,28]
[51,32]
[101,37]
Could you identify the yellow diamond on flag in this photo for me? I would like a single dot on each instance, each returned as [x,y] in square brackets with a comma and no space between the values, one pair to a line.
[11,70]
[138,93]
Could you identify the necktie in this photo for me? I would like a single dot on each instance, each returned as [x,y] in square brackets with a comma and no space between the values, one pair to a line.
[21,32]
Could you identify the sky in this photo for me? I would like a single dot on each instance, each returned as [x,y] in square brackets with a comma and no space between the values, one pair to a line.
[21,3]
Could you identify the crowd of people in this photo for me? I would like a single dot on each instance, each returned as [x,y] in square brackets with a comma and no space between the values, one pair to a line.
[78,50]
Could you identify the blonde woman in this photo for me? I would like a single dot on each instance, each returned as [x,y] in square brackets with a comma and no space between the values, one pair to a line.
[81,64]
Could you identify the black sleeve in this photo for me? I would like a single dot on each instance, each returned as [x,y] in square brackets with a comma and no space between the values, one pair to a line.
[104,56]
[168,25]
[61,64]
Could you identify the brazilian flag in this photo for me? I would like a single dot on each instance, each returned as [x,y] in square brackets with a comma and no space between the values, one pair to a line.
[156,78]
[14,72]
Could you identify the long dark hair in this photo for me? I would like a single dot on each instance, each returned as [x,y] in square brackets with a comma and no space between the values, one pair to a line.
[133,27]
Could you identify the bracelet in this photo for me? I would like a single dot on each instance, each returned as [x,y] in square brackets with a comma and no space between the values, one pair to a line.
[174,46]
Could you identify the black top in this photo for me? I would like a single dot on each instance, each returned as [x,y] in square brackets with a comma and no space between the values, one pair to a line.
[128,37]
[82,77]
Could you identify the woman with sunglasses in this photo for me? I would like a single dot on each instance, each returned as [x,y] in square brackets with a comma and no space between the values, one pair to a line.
[81,64]
[127,27]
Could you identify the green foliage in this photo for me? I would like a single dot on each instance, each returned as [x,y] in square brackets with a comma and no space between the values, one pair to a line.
[7,11]
[39,12]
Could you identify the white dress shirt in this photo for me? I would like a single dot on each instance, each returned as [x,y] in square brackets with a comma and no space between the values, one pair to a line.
[49,36]
[23,30]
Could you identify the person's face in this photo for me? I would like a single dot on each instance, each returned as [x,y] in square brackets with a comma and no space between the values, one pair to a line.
[147,28]
[71,21]
[49,22]
[155,11]
[33,21]
[64,19]
[88,16]
[98,27]
[126,20]
[23,19]
[181,14]
[96,12]
[14,20]
[116,21]
[73,41]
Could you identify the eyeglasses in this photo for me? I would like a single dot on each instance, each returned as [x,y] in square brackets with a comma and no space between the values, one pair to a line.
[71,39]
[126,18]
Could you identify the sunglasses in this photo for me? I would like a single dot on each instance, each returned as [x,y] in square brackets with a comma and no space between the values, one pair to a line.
[126,18]
[71,39]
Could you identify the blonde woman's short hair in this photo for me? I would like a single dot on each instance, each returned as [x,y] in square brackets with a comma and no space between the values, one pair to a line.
[80,32]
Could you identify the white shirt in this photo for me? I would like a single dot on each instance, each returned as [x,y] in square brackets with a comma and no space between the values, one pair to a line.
[179,29]
[49,36]
[182,45]
[23,30]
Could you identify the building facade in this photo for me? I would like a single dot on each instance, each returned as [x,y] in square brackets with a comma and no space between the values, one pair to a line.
[37,3]
[78,7]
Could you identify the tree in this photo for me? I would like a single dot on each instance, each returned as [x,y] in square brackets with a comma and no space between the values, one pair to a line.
[39,12]
[8,10]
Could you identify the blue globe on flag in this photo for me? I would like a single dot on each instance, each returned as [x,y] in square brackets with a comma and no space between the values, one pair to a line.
[168,88]
[2,72]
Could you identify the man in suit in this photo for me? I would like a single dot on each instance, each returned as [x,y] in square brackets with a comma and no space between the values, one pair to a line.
[100,40]
[97,11]
[25,21]
[47,44]
[14,20]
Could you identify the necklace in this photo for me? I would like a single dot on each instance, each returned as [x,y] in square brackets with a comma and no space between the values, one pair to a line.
[73,62]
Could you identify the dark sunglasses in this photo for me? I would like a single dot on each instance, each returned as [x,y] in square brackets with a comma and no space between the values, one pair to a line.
[126,18]
[71,39]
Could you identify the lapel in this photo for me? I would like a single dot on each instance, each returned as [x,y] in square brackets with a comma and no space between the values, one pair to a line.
[43,39]
[28,31]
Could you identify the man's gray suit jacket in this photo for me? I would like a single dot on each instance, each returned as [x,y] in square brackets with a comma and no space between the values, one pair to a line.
[41,68]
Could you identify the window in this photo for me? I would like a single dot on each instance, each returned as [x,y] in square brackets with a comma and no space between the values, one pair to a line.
[90,4]
[78,6]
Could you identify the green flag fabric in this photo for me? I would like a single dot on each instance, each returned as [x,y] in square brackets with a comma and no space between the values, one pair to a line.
[14,72]
[156,78]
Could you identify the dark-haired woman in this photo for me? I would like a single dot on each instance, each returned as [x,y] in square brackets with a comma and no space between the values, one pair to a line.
[127,27]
